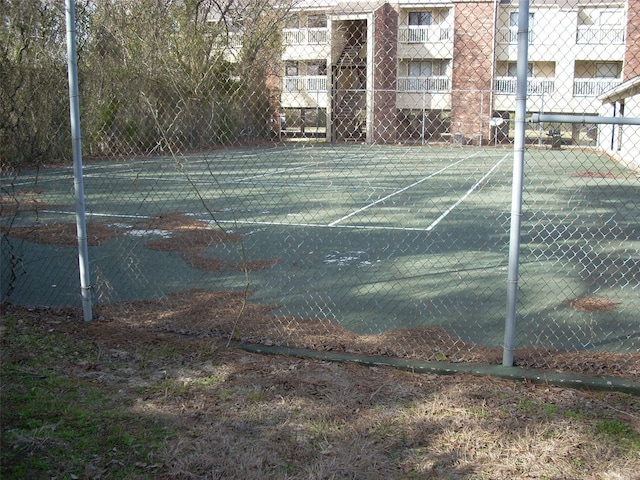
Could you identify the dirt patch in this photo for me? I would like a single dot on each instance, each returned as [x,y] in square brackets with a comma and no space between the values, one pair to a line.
[192,237]
[595,175]
[180,233]
[64,234]
[593,304]
[22,201]
[231,315]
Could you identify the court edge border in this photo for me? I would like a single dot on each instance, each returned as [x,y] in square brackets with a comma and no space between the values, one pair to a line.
[564,380]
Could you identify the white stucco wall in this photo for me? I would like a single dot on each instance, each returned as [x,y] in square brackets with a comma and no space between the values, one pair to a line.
[630,136]
[623,141]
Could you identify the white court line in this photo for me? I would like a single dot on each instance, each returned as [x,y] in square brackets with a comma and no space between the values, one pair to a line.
[380,200]
[464,197]
[276,172]
[320,225]
[334,224]
[91,214]
[299,167]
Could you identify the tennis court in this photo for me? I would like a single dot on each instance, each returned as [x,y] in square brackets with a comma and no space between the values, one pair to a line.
[374,238]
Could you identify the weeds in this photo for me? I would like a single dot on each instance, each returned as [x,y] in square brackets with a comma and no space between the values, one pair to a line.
[118,401]
[58,425]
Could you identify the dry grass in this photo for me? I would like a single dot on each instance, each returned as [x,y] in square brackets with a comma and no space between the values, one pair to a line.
[215,314]
[238,415]
[593,304]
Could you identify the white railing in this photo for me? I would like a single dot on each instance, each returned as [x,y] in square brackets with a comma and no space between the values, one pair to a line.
[424,84]
[305,83]
[305,36]
[235,39]
[593,87]
[424,34]
[600,35]
[535,86]
[510,35]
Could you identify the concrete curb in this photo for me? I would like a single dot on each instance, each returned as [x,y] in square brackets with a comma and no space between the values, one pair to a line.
[566,380]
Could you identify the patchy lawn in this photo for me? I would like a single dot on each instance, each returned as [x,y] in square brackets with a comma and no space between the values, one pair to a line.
[139,394]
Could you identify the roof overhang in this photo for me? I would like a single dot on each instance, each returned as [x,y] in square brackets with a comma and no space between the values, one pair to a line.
[624,90]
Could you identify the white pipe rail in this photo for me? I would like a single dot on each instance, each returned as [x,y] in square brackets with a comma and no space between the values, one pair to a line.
[582,119]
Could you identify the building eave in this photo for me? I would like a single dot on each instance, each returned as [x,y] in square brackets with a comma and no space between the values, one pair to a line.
[624,90]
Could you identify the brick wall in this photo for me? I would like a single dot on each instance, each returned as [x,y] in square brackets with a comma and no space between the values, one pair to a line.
[385,55]
[472,64]
[632,53]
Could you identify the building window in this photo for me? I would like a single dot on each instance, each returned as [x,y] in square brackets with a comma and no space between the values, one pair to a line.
[420,69]
[317,21]
[291,69]
[512,69]
[427,68]
[513,27]
[513,19]
[607,70]
[425,76]
[420,18]
[611,18]
[292,21]
[317,68]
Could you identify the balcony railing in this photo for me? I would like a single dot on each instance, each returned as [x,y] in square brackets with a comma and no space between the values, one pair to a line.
[305,36]
[510,35]
[434,84]
[235,39]
[424,34]
[302,83]
[593,87]
[535,86]
[589,34]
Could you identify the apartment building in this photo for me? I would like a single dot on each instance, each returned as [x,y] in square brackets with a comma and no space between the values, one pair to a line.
[431,70]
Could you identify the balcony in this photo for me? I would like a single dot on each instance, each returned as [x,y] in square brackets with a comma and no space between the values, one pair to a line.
[434,84]
[595,35]
[593,87]
[302,84]
[509,35]
[535,85]
[424,34]
[305,36]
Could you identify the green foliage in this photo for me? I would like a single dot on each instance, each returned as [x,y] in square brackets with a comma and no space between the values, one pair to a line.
[621,431]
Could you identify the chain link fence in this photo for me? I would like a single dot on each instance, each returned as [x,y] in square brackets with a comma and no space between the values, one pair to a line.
[333,175]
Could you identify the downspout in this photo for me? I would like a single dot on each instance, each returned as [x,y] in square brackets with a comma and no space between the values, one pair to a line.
[517,185]
[370,94]
[613,129]
[76,145]
[493,62]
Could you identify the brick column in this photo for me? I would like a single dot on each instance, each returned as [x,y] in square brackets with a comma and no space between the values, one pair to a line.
[473,41]
[385,59]
[632,50]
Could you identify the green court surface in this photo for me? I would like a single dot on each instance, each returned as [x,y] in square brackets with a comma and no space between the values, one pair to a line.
[373,237]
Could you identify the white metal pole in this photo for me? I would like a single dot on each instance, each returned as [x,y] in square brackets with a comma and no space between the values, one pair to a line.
[517,186]
[76,139]
[583,119]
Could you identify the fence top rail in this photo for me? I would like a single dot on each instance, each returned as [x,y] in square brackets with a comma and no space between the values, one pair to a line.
[582,119]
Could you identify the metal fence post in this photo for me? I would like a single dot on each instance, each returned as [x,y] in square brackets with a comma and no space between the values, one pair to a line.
[517,186]
[76,139]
